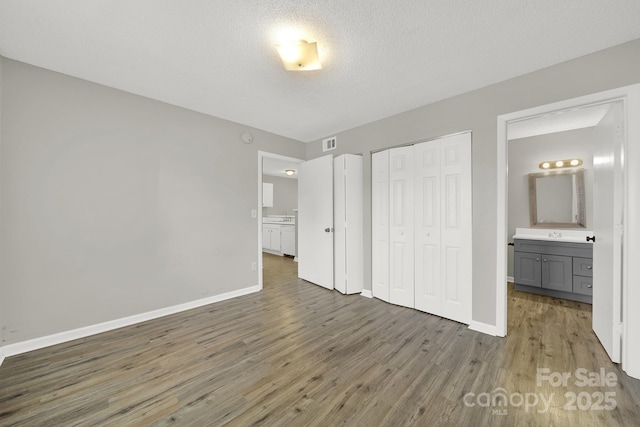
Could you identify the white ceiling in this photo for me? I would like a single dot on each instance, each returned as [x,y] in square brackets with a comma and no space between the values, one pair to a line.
[380,57]
[559,121]
[276,167]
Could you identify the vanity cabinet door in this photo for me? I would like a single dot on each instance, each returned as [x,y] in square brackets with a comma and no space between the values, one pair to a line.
[557,272]
[527,269]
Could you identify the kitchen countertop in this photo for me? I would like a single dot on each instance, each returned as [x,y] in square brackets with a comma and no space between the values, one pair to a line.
[279,220]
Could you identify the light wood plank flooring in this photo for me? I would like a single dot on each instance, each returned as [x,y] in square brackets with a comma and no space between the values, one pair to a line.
[296,354]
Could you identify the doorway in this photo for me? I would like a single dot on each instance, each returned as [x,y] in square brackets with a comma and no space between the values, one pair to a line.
[275,166]
[630,99]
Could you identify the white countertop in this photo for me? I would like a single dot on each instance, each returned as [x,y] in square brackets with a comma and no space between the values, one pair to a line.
[553,235]
[279,219]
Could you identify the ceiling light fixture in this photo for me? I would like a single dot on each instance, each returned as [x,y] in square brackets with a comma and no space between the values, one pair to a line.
[557,164]
[299,55]
[290,172]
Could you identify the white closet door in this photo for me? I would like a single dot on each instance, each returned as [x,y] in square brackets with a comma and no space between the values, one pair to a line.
[455,227]
[348,213]
[380,224]
[339,223]
[401,248]
[443,227]
[354,261]
[427,224]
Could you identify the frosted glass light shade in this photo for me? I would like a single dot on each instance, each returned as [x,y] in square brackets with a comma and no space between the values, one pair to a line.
[299,56]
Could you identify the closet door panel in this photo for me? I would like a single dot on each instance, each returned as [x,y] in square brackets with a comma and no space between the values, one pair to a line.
[401,286]
[380,224]
[339,221]
[456,227]
[427,227]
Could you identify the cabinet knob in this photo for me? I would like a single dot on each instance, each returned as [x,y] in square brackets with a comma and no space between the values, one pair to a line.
[588,267]
[544,260]
[589,286]
[537,259]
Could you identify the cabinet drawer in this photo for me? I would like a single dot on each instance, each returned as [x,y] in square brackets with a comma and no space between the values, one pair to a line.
[583,267]
[583,285]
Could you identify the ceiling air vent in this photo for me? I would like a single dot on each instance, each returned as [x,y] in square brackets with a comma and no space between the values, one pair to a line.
[329,144]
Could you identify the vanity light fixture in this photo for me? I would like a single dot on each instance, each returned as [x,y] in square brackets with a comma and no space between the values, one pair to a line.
[299,55]
[558,164]
[290,172]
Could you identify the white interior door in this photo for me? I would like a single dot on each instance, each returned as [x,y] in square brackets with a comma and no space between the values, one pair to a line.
[607,226]
[315,221]
[427,224]
[401,250]
[443,224]
[380,224]
[339,222]
[455,227]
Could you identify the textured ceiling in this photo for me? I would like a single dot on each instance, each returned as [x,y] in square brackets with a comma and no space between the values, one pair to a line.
[379,57]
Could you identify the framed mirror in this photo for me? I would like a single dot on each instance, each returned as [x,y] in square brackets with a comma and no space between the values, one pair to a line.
[556,199]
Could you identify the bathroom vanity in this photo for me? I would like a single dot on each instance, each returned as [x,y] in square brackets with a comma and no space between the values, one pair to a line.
[556,263]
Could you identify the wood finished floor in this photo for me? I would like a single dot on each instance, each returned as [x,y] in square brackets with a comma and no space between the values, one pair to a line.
[296,354]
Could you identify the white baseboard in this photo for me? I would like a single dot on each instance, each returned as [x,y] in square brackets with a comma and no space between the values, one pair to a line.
[366,293]
[484,328]
[62,337]
[269,251]
[510,279]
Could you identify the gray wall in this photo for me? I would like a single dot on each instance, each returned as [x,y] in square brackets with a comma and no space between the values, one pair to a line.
[114,204]
[524,156]
[477,111]
[285,195]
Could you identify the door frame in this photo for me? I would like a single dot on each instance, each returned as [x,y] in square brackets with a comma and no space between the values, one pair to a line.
[265,155]
[630,98]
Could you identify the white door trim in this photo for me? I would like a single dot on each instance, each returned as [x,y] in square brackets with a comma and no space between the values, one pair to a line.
[262,155]
[630,95]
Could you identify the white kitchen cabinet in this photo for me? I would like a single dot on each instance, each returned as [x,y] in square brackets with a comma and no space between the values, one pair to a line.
[288,239]
[271,238]
[267,195]
[348,223]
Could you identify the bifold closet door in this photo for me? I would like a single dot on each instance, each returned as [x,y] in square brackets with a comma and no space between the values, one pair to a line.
[401,211]
[348,223]
[380,224]
[443,221]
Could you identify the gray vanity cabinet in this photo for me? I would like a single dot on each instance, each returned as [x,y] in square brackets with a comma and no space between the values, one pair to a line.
[558,269]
